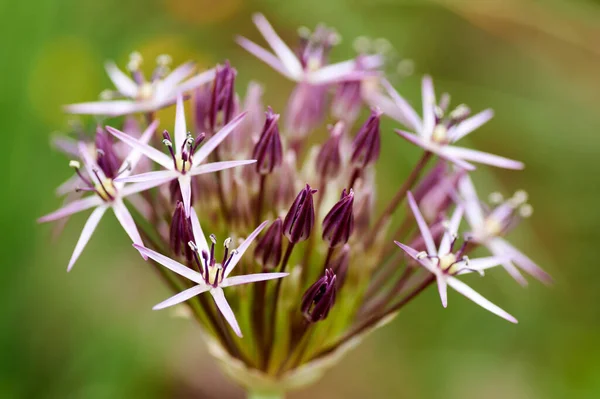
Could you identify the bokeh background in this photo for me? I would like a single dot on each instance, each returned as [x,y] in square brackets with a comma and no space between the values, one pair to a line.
[91,333]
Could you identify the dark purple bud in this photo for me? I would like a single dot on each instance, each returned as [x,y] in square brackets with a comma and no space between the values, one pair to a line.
[367,143]
[329,158]
[300,218]
[319,298]
[339,222]
[215,105]
[340,265]
[268,248]
[268,151]
[181,233]
[105,154]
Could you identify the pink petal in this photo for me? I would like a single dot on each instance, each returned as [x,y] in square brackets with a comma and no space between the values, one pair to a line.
[199,237]
[251,278]
[410,118]
[441,152]
[264,56]
[124,84]
[134,156]
[89,163]
[66,145]
[182,296]
[426,263]
[171,264]
[469,125]
[139,187]
[216,166]
[196,81]
[86,233]
[452,231]
[73,207]
[467,291]
[124,217]
[180,128]
[68,186]
[285,54]
[152,153]
[442,288]
[424,144]
[428,95]
[225,309]
[373,61]
[482,157]
[215,140]
[425,232]
[108,108]
[158,175]
[243,247]
[471,203]
[185,186]
[168,85]
[484,263]
[523,261]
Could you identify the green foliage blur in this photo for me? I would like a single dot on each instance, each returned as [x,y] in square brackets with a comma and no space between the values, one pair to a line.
[91,333]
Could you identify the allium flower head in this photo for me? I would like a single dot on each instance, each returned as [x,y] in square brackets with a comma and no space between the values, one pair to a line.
[142,94]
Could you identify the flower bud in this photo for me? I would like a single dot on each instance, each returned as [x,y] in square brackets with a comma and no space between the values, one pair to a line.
[329,159]
[339,222]
[268,248]
[300,218]
[181,233]
[367,143]
[319,298]
[268,151]
[215,106]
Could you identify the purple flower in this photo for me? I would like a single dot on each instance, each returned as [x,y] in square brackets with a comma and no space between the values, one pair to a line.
[367,143]
[445,264]
[213,276]
[186,159]
[438,129]
[109,193]
[488,227]
[268,151]
[143,95]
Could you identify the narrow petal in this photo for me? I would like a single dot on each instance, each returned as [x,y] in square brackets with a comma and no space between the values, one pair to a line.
[471,124]
[124,217]
[452,231]
[108,108]
[69,186]
[251,278]
[159,175]
[499,251]
[442,153]
[336,73]
[180,128]
[89,163]
[473,295]
[185,186]
[199,237]
[442,288]
[168,85]
[485,263]
[426,263]
[425,232]
[523,261]
[65,144]
[483,157]
[428,95]
[285,54]
[196,81]
[424,144]
[215,140]
[143,186]
[182,296]
[86,233]
[225,309]
[171,264]
[243,247]
[216,166]
[151,152]
[124,84]
[471,203]
[134,156]
[410,117]
[73,207]
[264,56]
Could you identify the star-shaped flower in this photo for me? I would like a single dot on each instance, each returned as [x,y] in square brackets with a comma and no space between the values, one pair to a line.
[310,67]
[445,264]
[213,276]
[186,158]
[438,129]
[108,193]
[143,95]
[488,227]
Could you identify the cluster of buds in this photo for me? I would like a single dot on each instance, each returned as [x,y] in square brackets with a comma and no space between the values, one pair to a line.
[333,255]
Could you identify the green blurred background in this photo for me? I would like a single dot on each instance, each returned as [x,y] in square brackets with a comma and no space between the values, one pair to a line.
[91,333]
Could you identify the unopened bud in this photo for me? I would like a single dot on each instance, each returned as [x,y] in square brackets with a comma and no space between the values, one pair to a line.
[268,248]
[367,143]
[299,221]
[268,151]
[339,222]
[319,298]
